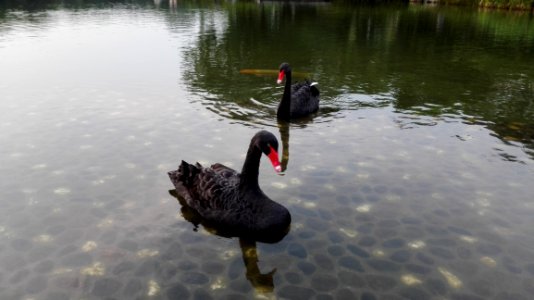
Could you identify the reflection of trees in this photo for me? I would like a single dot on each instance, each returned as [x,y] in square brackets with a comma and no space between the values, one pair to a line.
[213,64]
[463,63]
[283,127]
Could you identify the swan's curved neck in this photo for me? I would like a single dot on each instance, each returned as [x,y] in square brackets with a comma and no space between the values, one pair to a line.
[250,171]
[285,105]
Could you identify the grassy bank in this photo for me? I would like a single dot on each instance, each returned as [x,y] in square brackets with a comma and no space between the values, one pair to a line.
[496,4]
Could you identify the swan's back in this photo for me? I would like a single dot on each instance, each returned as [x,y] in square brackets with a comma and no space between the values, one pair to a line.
[206,189]
[304,99]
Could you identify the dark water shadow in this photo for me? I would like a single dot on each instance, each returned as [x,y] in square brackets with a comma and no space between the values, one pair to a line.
[261,282]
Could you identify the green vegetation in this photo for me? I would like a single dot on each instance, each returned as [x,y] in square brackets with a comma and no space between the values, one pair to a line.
[495,4]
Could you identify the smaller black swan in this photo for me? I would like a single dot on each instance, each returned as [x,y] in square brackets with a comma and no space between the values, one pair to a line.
[228,199]
[299,100]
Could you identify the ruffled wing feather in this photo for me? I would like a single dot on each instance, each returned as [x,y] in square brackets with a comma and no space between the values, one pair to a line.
[206,189]
[304,99]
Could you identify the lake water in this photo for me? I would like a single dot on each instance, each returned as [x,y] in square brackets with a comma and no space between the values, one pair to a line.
[414,180]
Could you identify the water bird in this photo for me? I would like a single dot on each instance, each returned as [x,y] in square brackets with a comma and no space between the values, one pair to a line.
[299,100]
[233,202]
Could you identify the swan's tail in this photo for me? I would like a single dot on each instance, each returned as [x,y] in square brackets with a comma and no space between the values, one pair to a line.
[185,174]
[314,90]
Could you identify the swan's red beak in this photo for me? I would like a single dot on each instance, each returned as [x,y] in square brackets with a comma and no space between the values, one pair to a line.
[281,76]
[273,156]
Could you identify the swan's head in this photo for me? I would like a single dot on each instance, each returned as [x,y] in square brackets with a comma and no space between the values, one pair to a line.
[284,69]
[268,144]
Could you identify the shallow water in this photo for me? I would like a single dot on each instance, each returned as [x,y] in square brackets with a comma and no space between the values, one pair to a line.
[413,181]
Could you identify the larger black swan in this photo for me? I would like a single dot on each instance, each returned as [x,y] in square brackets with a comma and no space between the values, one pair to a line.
[234,201]
[299,100]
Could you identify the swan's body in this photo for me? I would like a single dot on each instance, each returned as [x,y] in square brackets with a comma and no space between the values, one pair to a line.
[299,100]
[230,199]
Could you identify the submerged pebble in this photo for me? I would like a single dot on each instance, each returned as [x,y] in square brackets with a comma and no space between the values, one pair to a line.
[414,293]
[324,262]
[293,277]
[132,288]
[147,253]
[106,287]
[367,241]
[36,284]
[296,292]
[43,238]
[364,208]
[218,283]
[401,256]
[123,267]
[409,279]
[97,269]
[379,253]
[380,282]
[452,280]
[348,232]
[306,267]
[488,261]
[194,278]
[394,243]
[442,253]
[324,282]
[44,266]
[383,265]
[489,249]
[279,185]
[21,245]
[336,250]
[418,244]
[358,251]
[297,250]
[351,263]
[89,246]
[62,191]
[468,239]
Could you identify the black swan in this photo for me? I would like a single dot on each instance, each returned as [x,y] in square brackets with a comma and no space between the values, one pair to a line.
[227,199]
[299,100]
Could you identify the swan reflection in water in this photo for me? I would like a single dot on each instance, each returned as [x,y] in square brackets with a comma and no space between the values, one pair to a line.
[262,282]
[283,127]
